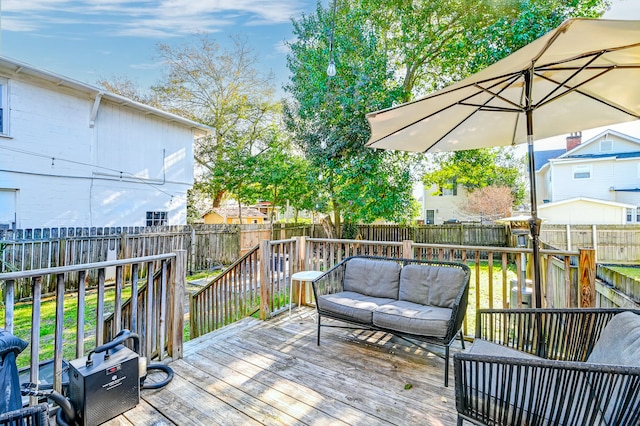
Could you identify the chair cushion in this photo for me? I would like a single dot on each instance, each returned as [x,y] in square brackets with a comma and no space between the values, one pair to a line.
[431,285]
[409,317]
[619,342]
[351,305]
[376,278]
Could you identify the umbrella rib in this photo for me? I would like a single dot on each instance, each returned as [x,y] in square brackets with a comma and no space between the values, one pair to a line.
[487,108]
[479,107]
[564,83]
[518,108]
[576,89]
[506,78]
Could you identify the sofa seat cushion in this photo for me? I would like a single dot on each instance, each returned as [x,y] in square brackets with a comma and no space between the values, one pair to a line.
[371,277]
[431,285]
[409,317]
[351,305]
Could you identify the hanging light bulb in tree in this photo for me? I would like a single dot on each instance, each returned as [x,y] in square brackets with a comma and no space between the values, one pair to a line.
[331,69]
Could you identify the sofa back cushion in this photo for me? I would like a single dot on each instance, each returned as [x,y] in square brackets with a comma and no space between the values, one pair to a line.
[431,285]
[371,277]
[619,342]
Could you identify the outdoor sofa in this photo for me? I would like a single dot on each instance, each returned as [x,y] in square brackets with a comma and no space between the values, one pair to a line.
[418,300]
[551,367]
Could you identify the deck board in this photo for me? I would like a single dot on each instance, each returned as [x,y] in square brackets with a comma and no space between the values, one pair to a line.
[272,372]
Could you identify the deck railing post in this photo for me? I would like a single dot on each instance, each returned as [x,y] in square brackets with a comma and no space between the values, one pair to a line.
[587,277]
[302,265]
[36,291]
[407,249]
[9,301]
[177,284]
[265,284]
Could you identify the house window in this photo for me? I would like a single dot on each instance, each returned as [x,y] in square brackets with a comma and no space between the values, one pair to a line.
[157,218]
[452,188]
[582,172]
[629,215]
[638,215]
[606,145]
[4,107]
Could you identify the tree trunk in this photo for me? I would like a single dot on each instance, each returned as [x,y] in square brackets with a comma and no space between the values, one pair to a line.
[337,225]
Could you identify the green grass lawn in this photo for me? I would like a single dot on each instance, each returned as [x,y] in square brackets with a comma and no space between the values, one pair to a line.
[22,323]
[629,271]
[470,319]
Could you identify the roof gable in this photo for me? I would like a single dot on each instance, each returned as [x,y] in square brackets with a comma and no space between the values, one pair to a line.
[631,142]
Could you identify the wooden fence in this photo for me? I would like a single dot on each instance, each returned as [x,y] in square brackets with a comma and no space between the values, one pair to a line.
[613,243]
[470,234]
[207,246]
[616,289]
[158,317]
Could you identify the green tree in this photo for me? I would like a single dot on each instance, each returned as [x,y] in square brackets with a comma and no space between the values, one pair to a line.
[283,178]
[326,115]
[223,89]
[475,169]
[387,53]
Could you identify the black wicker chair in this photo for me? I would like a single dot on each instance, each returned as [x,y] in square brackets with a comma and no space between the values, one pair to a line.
[533,367]
[36,415]
[332,282]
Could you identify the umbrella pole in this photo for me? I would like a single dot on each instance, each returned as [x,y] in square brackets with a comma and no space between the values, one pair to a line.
[534,222]
[534,226]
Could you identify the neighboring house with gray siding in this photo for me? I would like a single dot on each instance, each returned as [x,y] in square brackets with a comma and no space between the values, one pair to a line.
[595,182]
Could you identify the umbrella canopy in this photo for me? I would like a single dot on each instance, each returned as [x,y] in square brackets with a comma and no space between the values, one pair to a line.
[581,75]
[584,74]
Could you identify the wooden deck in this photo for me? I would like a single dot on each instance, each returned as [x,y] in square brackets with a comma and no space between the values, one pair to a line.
[271,372]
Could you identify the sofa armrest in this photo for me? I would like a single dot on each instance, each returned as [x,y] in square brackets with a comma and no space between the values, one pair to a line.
[331,281]
[558,334]
[503,390]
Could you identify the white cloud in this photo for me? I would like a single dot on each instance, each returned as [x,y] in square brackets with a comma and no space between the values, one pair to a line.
[148,19]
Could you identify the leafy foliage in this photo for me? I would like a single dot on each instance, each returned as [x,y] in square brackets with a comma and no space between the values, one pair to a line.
[327,115]
[476,169]
[223,89]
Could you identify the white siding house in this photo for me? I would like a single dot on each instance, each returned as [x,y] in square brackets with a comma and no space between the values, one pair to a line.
[597,182]
[74,155]
[440,205]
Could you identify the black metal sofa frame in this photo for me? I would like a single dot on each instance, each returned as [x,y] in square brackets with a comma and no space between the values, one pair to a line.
[333,283]
[541,368]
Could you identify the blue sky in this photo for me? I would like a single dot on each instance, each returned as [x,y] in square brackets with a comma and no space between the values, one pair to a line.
[92,39]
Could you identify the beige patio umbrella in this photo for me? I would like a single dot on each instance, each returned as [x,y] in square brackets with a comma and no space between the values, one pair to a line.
[581,75]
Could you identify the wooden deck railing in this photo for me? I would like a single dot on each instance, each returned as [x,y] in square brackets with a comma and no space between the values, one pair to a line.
[229,297]
[498,273]
[260,281]
[158,318]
